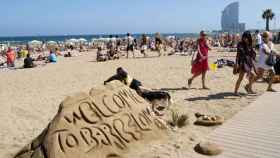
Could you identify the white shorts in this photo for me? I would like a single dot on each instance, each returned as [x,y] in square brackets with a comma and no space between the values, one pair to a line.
[144,47]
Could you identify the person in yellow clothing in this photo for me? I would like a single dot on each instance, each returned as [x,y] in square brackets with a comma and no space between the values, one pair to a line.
[23,53]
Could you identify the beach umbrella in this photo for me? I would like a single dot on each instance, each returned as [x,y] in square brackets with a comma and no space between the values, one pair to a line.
[52,42]
[82,40]
[170,37]
[73,40]
[35,42]
[69,43]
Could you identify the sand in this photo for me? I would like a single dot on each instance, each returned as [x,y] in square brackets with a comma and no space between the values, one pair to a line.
[30,98]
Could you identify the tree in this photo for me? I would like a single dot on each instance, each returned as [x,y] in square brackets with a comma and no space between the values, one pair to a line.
[267,16]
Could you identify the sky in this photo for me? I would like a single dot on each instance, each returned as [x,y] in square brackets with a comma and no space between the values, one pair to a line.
[60,17]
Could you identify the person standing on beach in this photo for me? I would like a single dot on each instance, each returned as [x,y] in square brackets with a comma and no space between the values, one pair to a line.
[111,46]
[158,42]
[259,40]
[144,45]
[11,56]
[200,63]
[266,50]
[118,45]
[245,60]
[130,45]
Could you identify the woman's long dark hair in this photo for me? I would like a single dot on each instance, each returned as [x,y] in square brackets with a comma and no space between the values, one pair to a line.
[247,34]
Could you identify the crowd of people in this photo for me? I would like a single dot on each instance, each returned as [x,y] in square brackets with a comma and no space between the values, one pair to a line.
[248,64]
[29,54]
[116,47]
[248,47]
[28,61]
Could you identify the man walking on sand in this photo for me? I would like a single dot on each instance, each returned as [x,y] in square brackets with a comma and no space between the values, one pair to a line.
[259,39]
[130,46]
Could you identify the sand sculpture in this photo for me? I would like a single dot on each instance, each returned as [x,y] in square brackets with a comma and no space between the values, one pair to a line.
[106,123]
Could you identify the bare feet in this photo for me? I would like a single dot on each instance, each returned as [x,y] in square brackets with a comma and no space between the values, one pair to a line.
[205,88]
[237,94]
[249,90]
[271,90]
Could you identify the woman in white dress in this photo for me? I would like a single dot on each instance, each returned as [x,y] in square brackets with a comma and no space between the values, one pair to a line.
[266,49]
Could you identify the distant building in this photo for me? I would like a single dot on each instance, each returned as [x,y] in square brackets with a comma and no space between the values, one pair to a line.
[230,19]
[242,27]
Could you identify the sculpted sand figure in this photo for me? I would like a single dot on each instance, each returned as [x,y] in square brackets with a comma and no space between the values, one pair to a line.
[108,122]
[160,100]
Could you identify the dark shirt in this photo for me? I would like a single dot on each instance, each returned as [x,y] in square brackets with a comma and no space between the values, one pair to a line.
[158,40]
[135,84]
[28,62]
[245,56]
[144,41]
[115,77]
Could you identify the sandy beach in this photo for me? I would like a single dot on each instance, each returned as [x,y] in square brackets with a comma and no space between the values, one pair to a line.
[30,97]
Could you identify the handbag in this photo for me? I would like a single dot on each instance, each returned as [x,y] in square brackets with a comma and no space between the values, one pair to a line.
[270,61]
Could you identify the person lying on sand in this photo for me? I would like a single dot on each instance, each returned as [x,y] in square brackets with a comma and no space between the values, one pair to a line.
[158,99]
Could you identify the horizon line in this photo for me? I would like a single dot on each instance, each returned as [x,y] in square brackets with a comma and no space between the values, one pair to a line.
[150,33]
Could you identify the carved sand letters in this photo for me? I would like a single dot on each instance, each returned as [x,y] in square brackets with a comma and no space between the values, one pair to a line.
[122,131]
[105,124]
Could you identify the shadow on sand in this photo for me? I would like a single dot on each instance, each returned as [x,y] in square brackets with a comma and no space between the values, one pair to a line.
[147,57]
[218,96]
[174,89]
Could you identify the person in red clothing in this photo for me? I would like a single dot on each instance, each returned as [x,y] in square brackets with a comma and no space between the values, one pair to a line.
[200,63]
[11,56]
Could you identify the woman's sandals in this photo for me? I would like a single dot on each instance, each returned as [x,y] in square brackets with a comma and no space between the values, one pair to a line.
[208,120]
